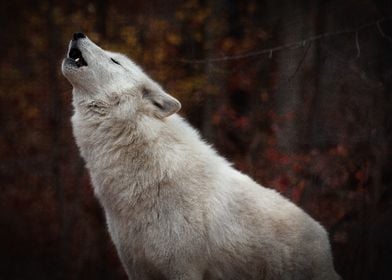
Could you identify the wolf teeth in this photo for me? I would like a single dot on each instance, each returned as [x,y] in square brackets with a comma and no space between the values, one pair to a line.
[77,60]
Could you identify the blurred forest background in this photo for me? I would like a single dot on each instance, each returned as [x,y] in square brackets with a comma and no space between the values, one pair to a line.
[297,94]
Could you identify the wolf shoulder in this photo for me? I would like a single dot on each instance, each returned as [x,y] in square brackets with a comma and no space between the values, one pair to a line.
[259,210]
[230,196]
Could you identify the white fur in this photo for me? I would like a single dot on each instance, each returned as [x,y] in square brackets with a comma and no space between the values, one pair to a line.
[175,209]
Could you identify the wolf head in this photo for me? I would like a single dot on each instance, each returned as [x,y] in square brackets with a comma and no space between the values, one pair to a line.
[111,84]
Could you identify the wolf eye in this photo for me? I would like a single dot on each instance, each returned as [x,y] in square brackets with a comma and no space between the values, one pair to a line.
[115,61]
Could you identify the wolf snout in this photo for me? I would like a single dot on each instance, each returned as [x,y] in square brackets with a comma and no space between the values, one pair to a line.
[78,35]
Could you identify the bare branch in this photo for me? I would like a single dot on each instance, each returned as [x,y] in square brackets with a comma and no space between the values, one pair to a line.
[293,45]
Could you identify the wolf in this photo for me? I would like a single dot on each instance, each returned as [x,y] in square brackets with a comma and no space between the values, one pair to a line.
[174,208]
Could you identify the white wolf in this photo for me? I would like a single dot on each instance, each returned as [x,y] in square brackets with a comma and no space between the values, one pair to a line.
[174,208]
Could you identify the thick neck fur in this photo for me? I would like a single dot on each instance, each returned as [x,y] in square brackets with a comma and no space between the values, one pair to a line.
[144,153]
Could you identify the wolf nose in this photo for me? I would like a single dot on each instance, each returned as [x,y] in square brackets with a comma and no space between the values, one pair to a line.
[78,35]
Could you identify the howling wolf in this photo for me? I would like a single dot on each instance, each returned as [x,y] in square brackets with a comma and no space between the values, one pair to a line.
[175,209]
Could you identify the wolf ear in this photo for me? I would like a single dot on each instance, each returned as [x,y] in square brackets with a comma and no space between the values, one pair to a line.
[162,104]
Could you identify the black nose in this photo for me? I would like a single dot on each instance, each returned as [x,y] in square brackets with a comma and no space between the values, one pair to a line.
[78,35]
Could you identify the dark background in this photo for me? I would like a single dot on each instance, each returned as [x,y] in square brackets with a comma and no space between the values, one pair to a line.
[296,94]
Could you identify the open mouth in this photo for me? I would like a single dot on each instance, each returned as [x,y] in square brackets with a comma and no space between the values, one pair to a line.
[76,55]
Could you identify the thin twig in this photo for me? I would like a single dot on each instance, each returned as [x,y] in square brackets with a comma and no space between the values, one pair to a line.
[300,62]
[382,31]
[357,44]
[293,45]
